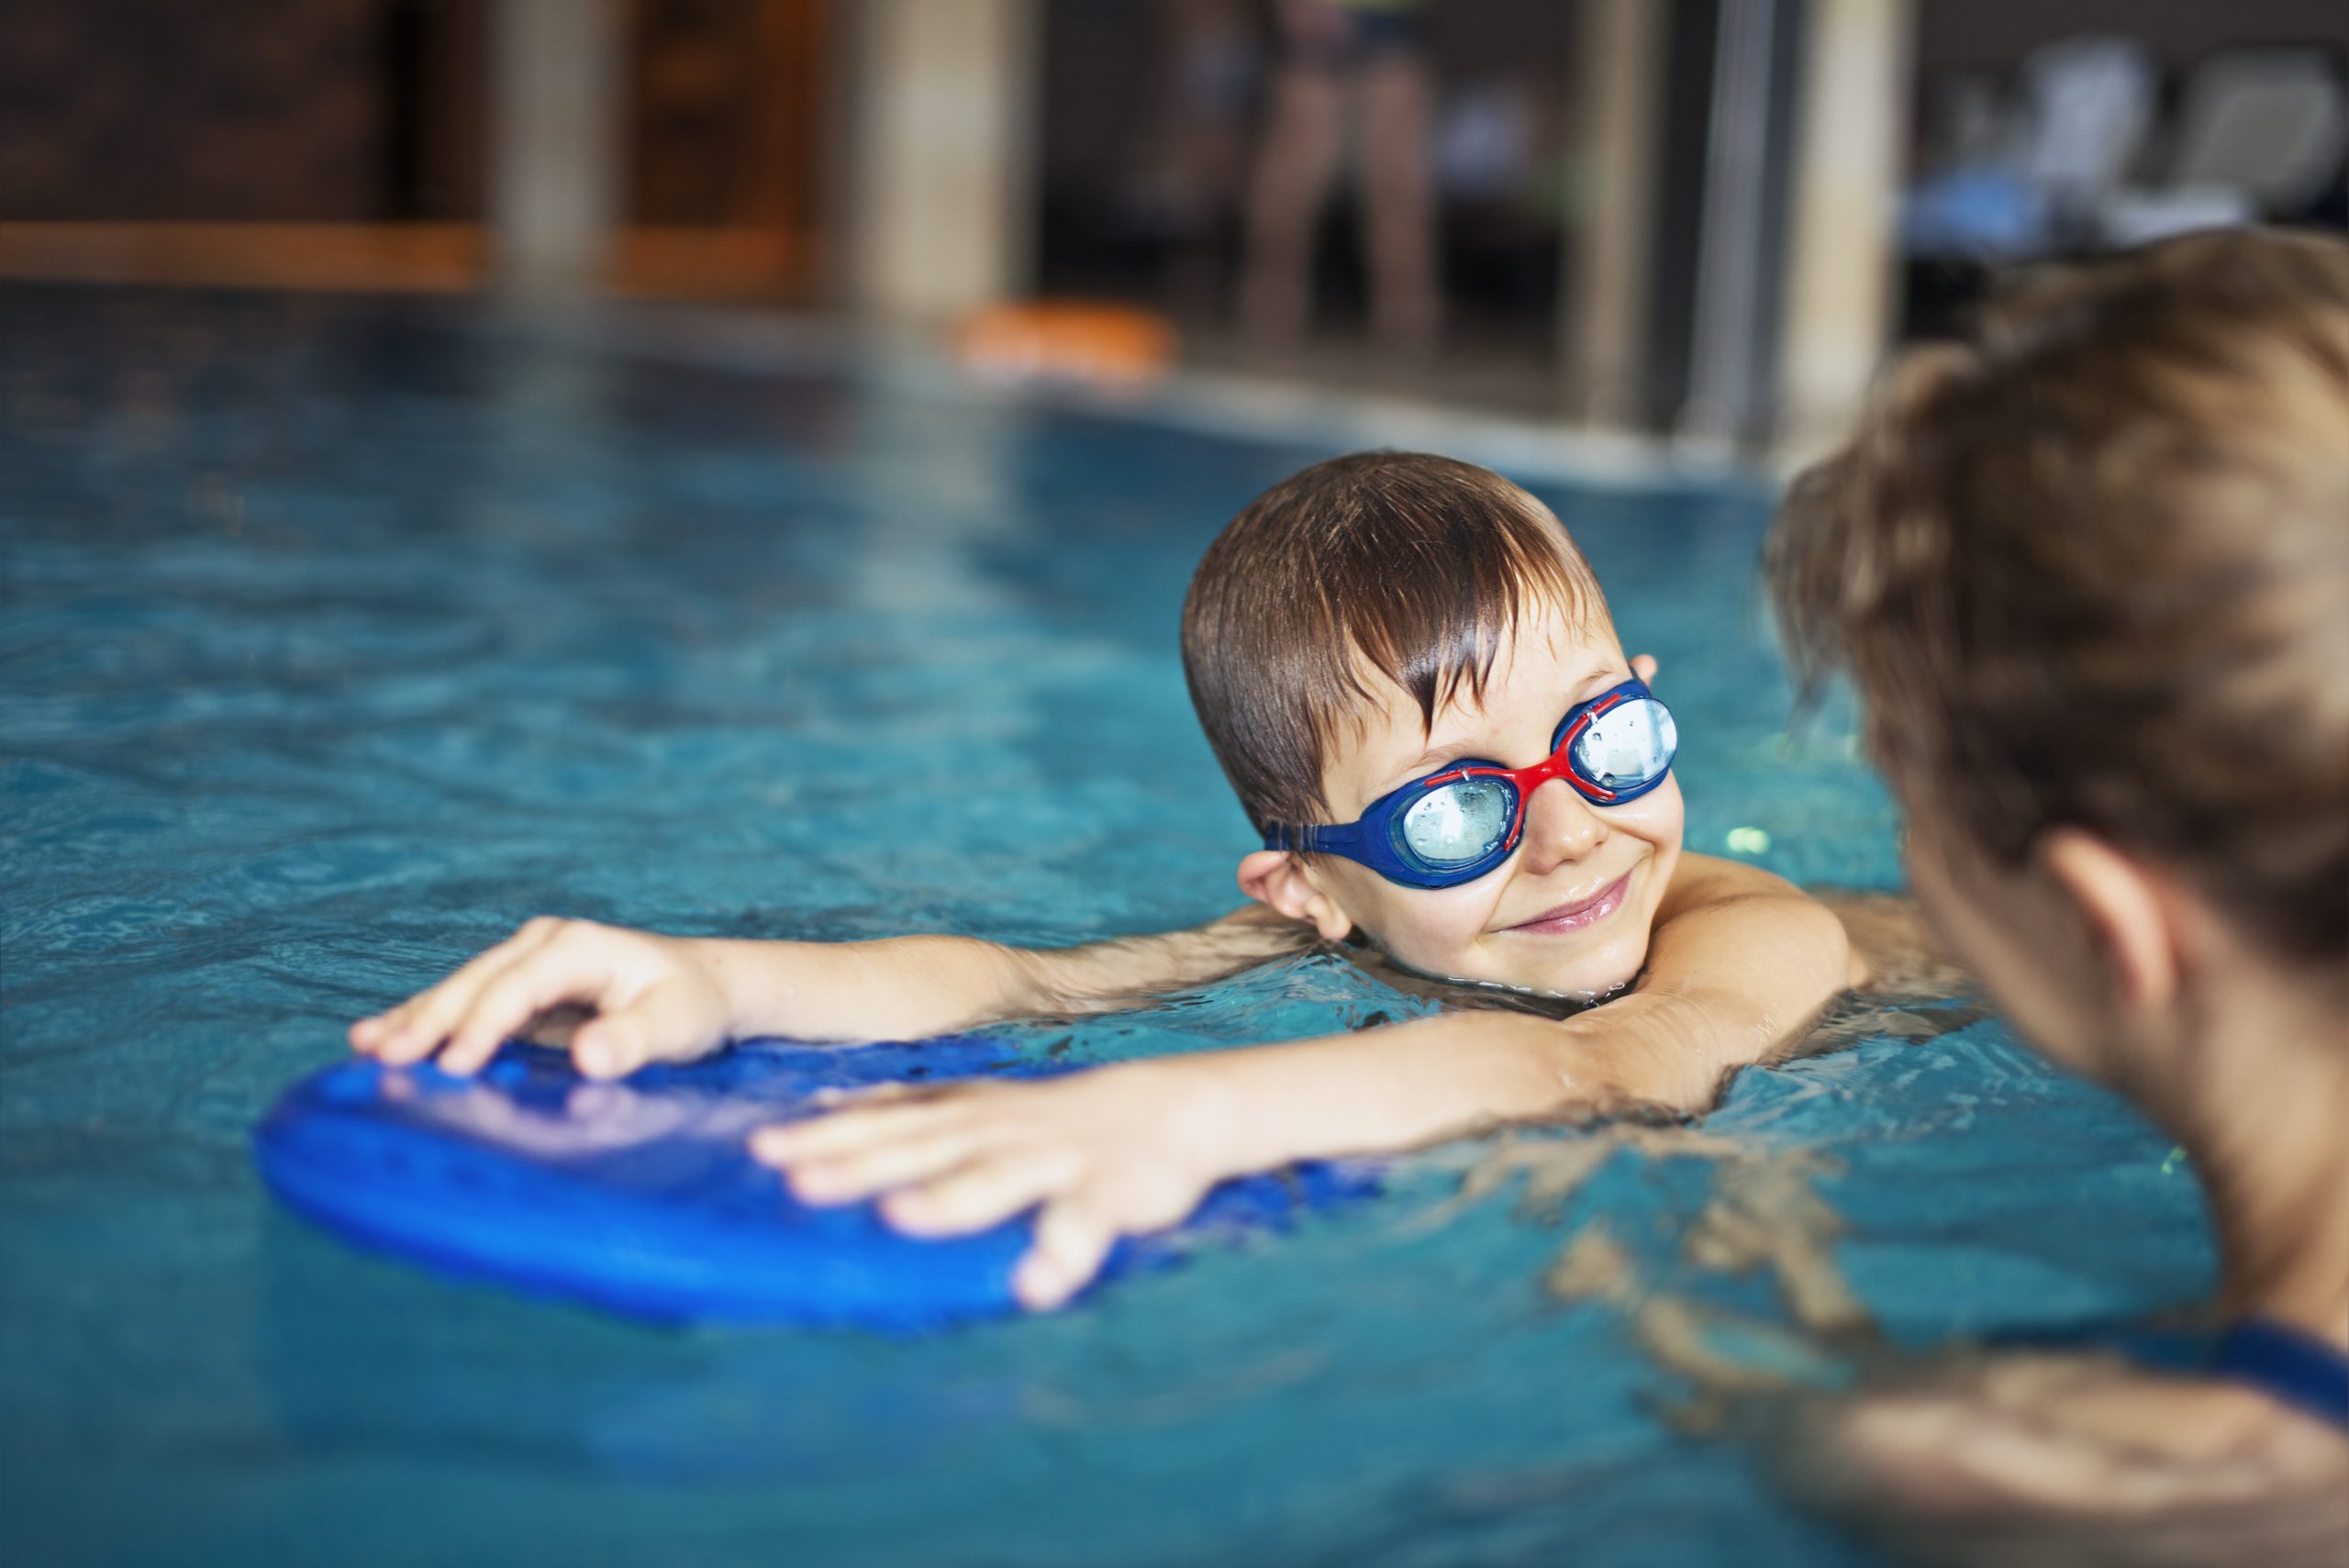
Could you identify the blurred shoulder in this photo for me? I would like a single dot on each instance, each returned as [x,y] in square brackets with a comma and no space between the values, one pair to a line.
[2077,1458]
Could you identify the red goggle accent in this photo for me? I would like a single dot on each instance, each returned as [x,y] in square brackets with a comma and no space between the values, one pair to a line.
[1558,765]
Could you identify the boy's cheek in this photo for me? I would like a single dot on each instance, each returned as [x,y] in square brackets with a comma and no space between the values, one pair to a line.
[1453,928]
[1427,929]
[1661,817]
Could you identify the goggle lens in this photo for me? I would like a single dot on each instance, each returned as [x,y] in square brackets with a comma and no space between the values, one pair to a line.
[1631,744]
[1458,824]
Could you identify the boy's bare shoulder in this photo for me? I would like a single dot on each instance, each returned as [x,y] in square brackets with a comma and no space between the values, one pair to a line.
[2077,1458]
[1709,879]
[1896,952]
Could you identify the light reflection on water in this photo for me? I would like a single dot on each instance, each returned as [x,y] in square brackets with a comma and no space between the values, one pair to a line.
[340,638]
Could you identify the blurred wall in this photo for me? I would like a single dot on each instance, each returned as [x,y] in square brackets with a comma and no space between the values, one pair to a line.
[651,146]
[1841,283]
[940,187]
[239,110]
[555,161]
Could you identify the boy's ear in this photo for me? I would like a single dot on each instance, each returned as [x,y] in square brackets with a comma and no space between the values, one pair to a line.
[2125,911]
[1278,880]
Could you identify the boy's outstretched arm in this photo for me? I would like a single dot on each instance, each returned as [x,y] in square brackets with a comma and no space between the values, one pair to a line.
[657,998]
[1740,965]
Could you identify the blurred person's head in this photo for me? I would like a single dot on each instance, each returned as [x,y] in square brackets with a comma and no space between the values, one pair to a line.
[2091,572]
[1369,622]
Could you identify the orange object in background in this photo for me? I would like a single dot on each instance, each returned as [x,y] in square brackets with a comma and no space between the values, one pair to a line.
[1093,345]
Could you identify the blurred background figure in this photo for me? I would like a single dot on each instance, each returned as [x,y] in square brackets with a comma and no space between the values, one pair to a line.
[1321,190]
[1340,61]
[1208,67]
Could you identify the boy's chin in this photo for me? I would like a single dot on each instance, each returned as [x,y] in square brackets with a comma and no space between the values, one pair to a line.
[1552,966]
[1591,977]
[1591,986]
[1586,977]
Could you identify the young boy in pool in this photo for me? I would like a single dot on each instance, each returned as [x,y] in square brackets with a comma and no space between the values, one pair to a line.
[1409,673]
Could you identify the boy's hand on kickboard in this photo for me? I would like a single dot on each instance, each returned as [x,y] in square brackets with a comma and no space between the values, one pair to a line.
[653,998]
[1105,1153]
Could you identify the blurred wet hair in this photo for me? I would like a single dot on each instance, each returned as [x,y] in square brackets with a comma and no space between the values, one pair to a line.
[1381,564]
[2092,569]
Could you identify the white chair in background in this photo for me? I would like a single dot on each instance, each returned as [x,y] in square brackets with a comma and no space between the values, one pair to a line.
[2260,133]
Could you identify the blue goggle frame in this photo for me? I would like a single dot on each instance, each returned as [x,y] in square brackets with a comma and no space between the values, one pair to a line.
[1375,838]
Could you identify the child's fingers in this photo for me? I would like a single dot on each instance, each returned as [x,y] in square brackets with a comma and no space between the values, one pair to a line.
[982,1194]
[872,1095]
[1071,1240]
[843,1133]
[1643,665]
[557,1027]
[877,1167]
[573,966]
[466,1054]
[615,1044]
[411,1031]
[665,1024]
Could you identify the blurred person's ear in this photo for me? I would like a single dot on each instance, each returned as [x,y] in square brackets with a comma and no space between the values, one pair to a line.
[2127,909]
[1278,880]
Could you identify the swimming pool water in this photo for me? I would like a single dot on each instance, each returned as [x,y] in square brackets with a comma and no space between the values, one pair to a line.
[341,636]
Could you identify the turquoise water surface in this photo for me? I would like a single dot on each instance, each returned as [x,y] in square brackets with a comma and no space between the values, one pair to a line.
[340,638]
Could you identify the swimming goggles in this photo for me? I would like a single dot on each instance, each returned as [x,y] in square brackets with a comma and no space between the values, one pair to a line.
[1455,826]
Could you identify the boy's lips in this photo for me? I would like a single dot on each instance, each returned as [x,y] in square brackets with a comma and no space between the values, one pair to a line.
[1583,912]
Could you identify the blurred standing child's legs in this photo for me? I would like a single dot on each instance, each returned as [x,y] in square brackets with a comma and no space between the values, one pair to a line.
[1336,57]
[1400,197]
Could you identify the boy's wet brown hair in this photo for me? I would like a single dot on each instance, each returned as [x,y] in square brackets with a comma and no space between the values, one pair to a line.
[1394,564]
[2092,569]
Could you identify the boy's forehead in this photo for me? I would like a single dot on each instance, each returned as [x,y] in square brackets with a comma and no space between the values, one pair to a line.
[1534,668]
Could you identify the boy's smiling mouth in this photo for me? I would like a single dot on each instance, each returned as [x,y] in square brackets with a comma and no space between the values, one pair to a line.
[1581,913]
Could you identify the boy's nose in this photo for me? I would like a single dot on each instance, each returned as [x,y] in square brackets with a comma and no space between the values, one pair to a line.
[1560,826]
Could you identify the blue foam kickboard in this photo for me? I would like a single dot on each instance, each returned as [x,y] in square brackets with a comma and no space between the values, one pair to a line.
[640,1196]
